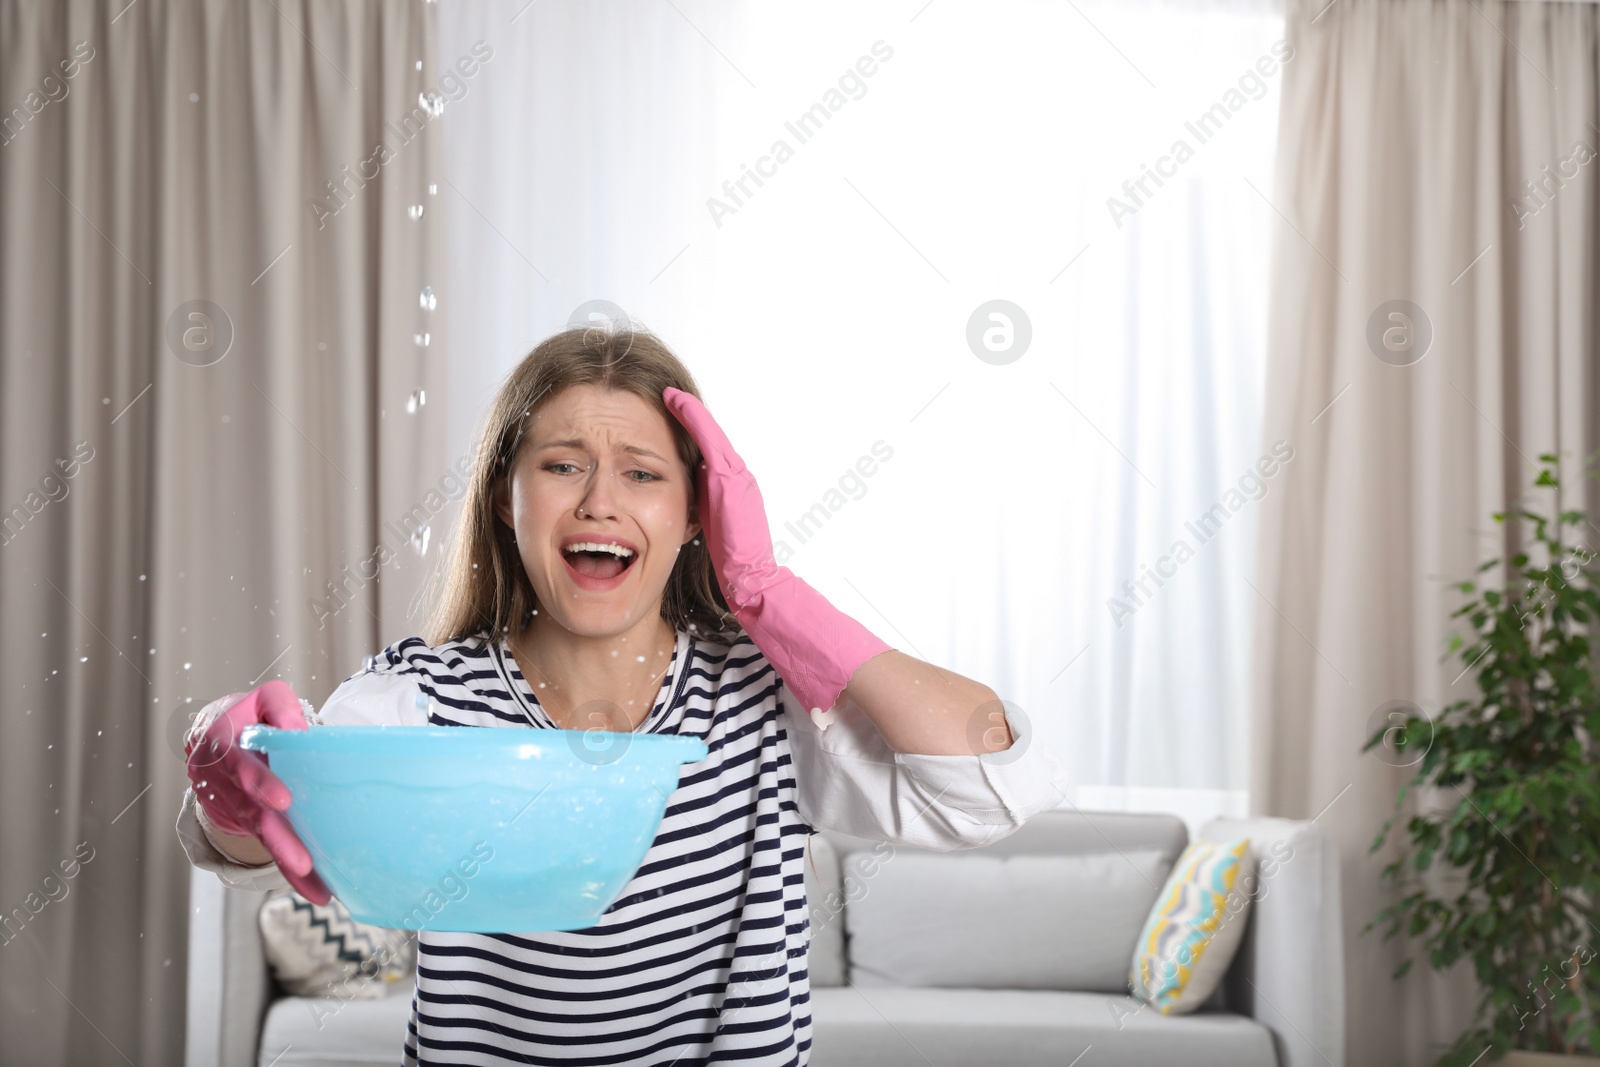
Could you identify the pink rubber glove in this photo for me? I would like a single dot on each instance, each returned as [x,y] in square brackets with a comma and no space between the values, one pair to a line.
[814,646]
[236,790]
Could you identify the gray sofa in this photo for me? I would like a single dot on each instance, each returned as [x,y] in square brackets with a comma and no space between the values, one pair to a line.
[1016,953]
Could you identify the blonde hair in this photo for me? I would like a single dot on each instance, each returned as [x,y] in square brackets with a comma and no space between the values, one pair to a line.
[485,587]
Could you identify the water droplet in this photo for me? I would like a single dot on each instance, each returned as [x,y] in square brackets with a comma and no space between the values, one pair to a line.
[433,188]
[186,666]
[83,659]
[416,400]
[419,539]
[426,298]
[423,340]
[431,102]
[639,658]
[419,64]
[141,577]
[415,211]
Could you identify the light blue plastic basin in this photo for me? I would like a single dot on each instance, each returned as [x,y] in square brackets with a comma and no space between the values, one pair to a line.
[475,829]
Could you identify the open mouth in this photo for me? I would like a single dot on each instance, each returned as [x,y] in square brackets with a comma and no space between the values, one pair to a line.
[599,561]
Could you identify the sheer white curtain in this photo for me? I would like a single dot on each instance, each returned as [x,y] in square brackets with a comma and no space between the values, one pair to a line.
[954,155]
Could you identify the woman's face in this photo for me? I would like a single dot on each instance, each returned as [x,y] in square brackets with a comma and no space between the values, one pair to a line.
[598,466]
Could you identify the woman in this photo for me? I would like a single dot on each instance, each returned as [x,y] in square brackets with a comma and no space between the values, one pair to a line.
[614,571]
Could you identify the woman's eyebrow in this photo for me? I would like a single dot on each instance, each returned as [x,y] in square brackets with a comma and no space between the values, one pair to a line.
[575,442]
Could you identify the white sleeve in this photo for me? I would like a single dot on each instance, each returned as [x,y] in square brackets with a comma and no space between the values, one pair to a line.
[851,782]
[365,699]
[203,854]
[368,699]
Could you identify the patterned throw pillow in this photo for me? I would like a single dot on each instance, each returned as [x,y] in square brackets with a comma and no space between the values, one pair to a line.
[1194,929]
[318,950]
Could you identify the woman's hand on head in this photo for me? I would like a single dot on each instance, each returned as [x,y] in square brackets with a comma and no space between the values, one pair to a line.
[814,646]
[731,512]
[236,791]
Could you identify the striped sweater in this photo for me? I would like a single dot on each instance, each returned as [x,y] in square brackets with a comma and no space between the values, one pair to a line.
[703,957]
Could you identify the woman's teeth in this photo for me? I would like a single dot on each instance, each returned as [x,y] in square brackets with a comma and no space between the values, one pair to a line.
[596,560]
[593,546]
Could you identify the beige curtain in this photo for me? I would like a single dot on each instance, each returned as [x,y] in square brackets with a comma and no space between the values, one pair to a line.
[212,406]
[1410,130]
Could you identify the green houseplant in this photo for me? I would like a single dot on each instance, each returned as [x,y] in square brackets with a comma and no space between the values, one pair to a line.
[1517,772]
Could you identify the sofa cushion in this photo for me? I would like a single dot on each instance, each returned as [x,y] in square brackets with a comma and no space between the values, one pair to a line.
[318,950]
[1195,927]
[1022,1028]
[966,919]
[332,1032]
